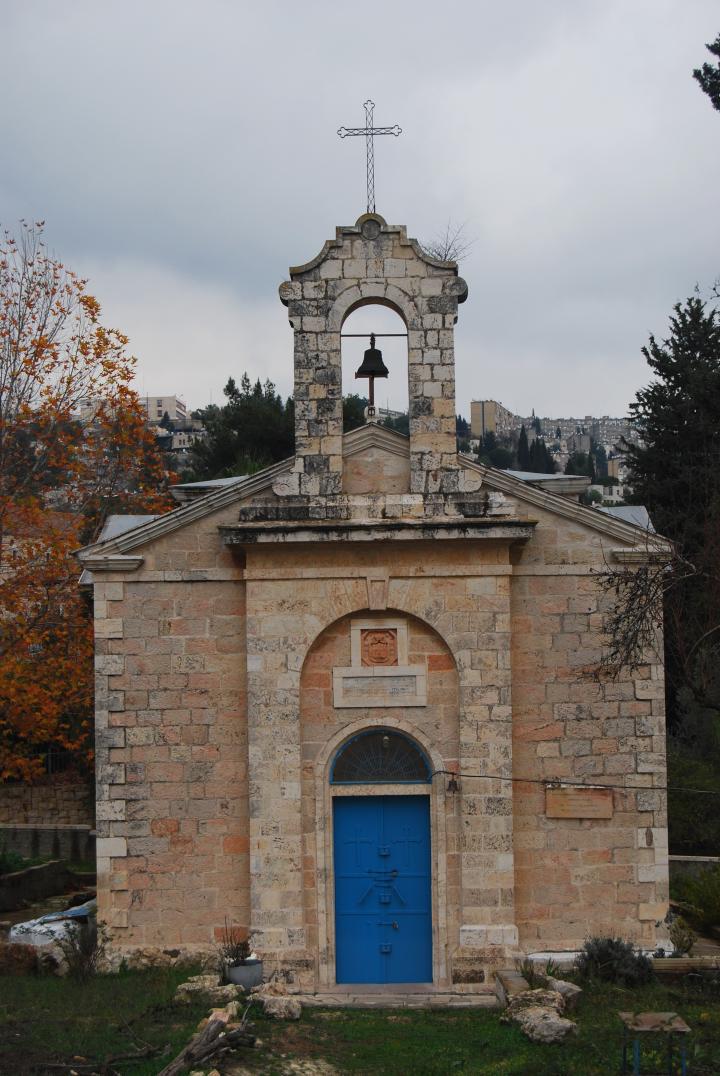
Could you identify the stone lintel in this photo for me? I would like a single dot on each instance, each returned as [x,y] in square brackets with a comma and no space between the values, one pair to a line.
[369,531]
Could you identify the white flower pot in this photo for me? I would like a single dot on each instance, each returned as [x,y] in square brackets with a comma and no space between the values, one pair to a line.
[245,975]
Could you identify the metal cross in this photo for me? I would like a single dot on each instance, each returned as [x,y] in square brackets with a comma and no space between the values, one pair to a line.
[369,132]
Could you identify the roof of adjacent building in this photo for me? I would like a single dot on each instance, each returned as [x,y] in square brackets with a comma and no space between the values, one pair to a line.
[637,514]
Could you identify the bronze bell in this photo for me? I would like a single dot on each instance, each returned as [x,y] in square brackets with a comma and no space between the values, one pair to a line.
[372,364]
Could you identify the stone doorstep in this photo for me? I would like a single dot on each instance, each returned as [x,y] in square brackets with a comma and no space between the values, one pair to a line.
[399,1000]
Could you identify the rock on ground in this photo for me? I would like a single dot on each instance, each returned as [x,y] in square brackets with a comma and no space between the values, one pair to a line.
[570,991]
[538,1014]
[282,1008]
[541,998]
[544,1025]
[208,988]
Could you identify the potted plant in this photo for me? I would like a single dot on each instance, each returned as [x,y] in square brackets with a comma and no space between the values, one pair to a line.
[239,966]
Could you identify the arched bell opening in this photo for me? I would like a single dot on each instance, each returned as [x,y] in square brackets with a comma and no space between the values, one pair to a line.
[382,363]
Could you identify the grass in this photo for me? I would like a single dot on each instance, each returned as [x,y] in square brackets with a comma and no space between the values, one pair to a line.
[45,1021]
[436,1043]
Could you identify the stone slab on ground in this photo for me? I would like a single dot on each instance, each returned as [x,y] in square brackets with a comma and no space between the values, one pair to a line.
[360,1000]
[508,983]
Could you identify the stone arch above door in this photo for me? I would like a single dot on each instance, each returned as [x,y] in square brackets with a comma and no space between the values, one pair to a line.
[324,728]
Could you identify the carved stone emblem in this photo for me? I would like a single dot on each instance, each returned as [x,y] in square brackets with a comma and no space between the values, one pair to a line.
[379,646]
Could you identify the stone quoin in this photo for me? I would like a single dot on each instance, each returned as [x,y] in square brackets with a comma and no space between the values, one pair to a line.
[361,623]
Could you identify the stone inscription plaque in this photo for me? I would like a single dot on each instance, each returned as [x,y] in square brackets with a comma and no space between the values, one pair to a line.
[362,687]
[578,802]
[378,646]
[380,685]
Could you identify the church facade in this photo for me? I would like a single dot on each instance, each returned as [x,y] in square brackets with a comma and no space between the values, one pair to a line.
[346,702]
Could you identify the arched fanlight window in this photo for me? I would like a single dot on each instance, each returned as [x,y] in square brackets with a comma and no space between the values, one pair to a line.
[379,756]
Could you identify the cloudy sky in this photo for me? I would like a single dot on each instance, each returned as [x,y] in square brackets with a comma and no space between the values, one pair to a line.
[183,154]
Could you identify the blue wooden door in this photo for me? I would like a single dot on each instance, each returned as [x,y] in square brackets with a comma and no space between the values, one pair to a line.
[383,927]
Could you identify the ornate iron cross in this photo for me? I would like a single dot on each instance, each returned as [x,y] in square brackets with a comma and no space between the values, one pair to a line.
[369,132]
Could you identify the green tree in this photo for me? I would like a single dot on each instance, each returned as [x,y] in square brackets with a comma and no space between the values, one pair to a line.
[581,463]
[493,454]
[708,76]
[523,453]
[600,457]
[676,475]
[541,459]
[353,411]
[401,424]
[253,429]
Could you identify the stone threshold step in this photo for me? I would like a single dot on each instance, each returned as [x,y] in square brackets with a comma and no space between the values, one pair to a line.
[399,1001]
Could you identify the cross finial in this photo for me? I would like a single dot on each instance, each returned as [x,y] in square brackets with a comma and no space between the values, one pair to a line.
[369,132]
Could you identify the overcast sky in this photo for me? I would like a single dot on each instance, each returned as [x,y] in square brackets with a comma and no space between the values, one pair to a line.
[184,154]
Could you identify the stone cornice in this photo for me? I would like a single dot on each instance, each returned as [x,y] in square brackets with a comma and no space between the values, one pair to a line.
[375,531]
[111,562]
[648,554]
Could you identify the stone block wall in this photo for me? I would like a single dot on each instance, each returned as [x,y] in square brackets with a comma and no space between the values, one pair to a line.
[53,802]
[213,699]
[576,877]
[172,812]
[460,591]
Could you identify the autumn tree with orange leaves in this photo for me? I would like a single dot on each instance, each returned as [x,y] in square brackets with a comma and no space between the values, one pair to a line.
[59,480]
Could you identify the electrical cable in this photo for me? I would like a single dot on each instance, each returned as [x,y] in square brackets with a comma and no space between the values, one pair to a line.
[555,782]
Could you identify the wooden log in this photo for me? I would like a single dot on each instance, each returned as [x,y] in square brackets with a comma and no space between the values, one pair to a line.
[211,1039]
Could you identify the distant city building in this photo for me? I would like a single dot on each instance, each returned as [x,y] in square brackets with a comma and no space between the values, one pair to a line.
[89,408]
[156,406]
[489,416]
[578,442]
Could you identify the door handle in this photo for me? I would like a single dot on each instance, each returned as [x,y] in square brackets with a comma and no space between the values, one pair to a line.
[394,925]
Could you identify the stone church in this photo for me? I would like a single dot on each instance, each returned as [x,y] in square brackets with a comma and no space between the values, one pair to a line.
[346,702]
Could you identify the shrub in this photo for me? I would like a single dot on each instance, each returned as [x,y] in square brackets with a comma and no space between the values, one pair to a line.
[531,973]
[615,961]
[83,948]
[701,896]
[10,861]
[235,947]
[682,937]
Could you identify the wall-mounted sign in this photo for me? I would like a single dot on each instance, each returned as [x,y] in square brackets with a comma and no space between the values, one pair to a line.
[574,802]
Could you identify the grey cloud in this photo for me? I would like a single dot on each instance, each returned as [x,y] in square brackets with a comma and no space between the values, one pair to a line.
[184,154]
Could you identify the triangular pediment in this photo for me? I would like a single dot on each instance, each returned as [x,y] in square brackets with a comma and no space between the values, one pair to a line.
[368,444]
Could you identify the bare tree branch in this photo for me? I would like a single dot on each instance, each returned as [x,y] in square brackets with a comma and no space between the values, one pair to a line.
[449,245]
